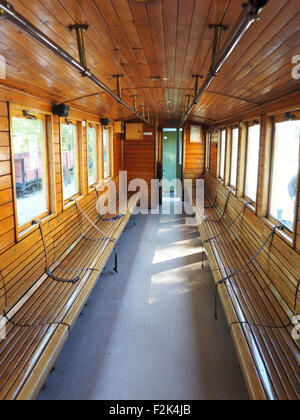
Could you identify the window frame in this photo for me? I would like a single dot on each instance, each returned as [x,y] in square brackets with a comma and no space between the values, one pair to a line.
[290,234]
[75,123]
[16,111]
[111,152]
[208,149]
[248,125]
[220,154]
[233,127]
[95,125]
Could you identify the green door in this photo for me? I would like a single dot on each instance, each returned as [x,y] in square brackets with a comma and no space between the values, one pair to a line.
[170,160]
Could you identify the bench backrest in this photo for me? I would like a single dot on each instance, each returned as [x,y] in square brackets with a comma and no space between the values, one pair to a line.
[22,265]
[278,261]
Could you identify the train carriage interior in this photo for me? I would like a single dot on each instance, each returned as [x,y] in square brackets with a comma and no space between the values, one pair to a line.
[150,202]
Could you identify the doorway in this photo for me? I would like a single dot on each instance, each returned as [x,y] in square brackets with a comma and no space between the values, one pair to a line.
[172,159]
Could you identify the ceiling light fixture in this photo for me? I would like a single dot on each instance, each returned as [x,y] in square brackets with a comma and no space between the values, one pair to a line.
[159,78]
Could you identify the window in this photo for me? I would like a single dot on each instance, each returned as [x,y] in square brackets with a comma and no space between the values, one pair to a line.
[222,154]
[234,156]
[285,172]
[30,167]
[92,155]
[208,141]
[69,142]
[196,134]
[106,154]
[252,162]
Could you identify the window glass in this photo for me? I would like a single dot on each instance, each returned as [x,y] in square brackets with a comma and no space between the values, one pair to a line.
[29,145]
[285,172]
[252,162]
[106,153]
[208,140]
[92,155]
[196,134]
[70,160]
[222,154]
[234,156]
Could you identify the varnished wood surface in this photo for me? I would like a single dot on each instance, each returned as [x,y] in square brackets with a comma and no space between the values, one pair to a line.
[164,38]
[28,353]
[139,158]
[264,294]
[194,156]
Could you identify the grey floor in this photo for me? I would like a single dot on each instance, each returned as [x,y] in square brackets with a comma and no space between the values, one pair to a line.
[149,332]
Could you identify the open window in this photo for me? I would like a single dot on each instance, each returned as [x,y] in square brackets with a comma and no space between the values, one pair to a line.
[222,154]
[234,156]
[92,154]
[285,172]
[252,160]
[70,166]
[30,168]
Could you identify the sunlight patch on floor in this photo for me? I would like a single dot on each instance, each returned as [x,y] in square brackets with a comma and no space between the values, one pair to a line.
[180,249]
[174,282]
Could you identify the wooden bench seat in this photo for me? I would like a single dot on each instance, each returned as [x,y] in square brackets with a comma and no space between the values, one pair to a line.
[257,300]
[40,321]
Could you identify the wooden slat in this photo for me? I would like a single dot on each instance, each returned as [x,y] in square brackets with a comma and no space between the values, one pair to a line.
[269,358]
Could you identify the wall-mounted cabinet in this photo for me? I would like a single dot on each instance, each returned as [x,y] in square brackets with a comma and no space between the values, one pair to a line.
[134,131]
[119,127]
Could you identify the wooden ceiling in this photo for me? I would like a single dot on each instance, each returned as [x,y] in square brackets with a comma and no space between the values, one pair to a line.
[164,38]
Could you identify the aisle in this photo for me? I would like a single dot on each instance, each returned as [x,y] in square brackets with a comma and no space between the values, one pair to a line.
[149,332]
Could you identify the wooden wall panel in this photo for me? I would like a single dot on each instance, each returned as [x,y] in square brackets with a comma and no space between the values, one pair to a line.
[194,156]
[139,157]
[25,256]
[213,158]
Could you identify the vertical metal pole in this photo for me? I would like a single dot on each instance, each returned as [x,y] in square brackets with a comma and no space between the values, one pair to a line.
[116,260]
[134,102]
[80,42]
[217,40]
[197,77]
[189,100]
[119,86]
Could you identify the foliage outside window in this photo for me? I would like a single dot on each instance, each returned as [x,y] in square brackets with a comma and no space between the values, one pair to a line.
[30,168]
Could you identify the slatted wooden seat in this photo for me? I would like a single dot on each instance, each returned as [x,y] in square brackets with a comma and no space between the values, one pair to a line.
[260,301]
[43,311]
